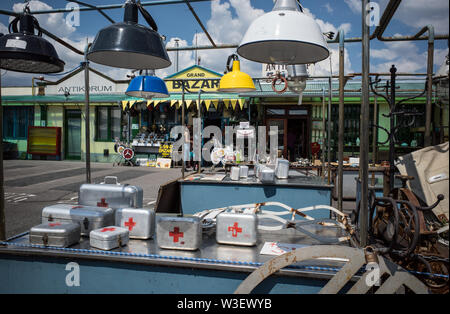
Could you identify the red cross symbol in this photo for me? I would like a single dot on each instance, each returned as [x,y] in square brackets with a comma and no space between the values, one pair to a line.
[107,229]
[235,230]
[130,224]
[176,234]
[54,224]
[102,203]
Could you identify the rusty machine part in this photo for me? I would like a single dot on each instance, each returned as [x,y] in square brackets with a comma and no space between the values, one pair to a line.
[406,230]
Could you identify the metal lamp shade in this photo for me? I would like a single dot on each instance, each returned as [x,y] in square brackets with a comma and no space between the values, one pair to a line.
[29,54]
[147,87]
[284,36]
[129,46]
[236,81]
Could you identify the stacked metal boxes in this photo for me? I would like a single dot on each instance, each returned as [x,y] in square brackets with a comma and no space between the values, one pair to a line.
[108,213]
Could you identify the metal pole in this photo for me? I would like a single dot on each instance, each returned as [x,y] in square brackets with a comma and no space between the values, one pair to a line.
[86,119]
[323,132]
[182,124]
[341,122]
[176,110]
[428,109]
[391,130]
[364,134]
[2,191]
[375,131]
[199,170]
[330,96]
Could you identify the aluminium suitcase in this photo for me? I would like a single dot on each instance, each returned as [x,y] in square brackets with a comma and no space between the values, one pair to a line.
[114,194]
[237,229]
[179,233]
[56,234]
[109,238]
[266,175]
[140,222]
[88,217]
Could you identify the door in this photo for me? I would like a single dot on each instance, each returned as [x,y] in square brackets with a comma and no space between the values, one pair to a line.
[73,134]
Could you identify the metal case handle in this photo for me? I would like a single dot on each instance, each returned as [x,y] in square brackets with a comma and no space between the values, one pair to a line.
[116,180]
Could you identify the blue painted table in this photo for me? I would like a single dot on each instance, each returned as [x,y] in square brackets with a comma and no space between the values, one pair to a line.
[199,192]
[142,267]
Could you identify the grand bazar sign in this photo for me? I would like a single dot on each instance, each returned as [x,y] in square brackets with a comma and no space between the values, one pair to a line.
[194,79]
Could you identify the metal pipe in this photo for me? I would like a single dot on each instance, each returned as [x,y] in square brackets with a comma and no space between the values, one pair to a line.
[323,132]
[199,170]
[111,6]
[86,119]
[2,191]
[182,124]
[364,135]
[341,121]
[375,131]
[330,96]
[391,130]
[429,104]
[200,22]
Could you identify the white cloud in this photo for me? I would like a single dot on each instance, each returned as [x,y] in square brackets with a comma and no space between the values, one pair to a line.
[419,13]
[323,68]
[54,23]
[405,55]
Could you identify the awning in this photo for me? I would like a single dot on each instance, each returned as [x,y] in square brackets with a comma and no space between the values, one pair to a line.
[208,99]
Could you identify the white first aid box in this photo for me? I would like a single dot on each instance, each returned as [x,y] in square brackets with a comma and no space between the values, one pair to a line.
[237,229]
[109,237]
[140,222]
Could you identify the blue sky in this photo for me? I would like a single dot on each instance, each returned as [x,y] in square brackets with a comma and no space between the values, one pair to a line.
[227,20]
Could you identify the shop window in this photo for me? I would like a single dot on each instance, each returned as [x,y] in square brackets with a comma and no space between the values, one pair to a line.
[16,121]
[107,123]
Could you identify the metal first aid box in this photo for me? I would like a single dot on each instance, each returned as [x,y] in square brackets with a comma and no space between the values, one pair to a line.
[113,195]
[266,175]
[140,222]
[108,238]
[237,229]
[55,234]
[89,217]
[282,169]
[180,233]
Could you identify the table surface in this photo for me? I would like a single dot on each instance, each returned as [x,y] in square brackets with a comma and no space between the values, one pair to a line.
[295,179]
[211,255]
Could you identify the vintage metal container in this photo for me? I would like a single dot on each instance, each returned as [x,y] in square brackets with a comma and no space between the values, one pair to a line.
[266,174]
[282,169]
[56,234]
[89,217]
[140,222]
[179,233]
[113,194]
[108,238]
[237,229]
[243,171]
[235,173]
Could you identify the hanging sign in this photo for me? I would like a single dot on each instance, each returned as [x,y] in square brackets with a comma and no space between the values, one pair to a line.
[194,78]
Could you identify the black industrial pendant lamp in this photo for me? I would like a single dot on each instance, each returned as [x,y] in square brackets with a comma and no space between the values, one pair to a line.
[130,45]
[23,51]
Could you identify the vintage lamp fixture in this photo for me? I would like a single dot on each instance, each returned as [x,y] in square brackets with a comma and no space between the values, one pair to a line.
[147,86]
[297,75]
[23,51]
[286,35]
[130,45]
[235,81]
